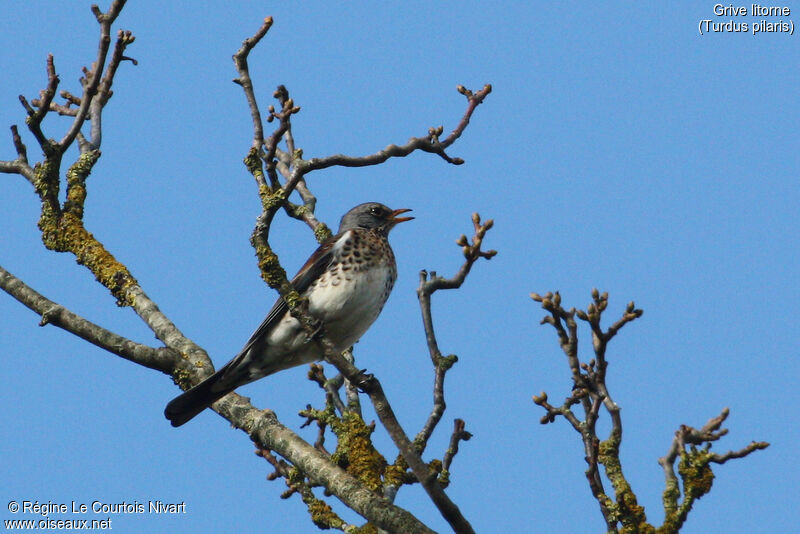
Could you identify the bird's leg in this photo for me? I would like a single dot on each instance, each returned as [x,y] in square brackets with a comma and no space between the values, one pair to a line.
[317,332]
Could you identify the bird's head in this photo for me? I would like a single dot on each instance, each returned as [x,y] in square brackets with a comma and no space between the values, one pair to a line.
[372,215]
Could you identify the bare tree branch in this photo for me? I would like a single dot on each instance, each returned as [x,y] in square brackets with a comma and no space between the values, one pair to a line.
[35,116]
[331,387]
[161,359]
[20,164]
[104,93]
[590,391]
[428,286]
[695,472]
[264,429]
[240,59]
[93,77]
[458,435]
[429,143]
[261,426]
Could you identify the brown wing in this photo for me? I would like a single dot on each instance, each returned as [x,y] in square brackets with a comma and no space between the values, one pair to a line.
[236,373]
[313,268]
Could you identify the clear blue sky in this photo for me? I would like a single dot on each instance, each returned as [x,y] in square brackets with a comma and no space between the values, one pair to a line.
[620,149]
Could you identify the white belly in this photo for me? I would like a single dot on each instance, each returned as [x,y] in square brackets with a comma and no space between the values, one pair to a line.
[346,299]
[349,303]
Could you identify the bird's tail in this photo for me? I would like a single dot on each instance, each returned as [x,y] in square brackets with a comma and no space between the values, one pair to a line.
[184,407]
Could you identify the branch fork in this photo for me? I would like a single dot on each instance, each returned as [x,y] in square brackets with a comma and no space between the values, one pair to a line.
[591,393]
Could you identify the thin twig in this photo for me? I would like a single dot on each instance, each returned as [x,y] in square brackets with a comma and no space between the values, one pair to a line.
[36,116]
[240,59]
[458,435]
[331,387]
[428,286]
[284,116]
[20,165]
[104,92]
[93,77]
[429,143]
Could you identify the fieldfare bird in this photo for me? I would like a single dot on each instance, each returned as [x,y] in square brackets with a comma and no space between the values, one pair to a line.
[346,281]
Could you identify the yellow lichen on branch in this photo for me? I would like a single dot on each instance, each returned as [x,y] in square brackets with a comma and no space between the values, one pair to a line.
[355,451]
[67,234]
[63,229]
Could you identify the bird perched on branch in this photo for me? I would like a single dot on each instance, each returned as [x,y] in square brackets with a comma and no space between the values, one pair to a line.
[346,281]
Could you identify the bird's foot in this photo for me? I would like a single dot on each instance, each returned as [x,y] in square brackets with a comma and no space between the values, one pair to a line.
[316,333]
[364,381]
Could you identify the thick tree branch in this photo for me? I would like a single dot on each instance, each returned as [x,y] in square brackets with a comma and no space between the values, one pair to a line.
[261,426]
[161,359]
[267,432]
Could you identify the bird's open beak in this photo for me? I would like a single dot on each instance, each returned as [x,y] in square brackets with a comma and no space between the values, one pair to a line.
[393,217]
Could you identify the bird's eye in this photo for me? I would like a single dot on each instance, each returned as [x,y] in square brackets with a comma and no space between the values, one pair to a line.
[376,211]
